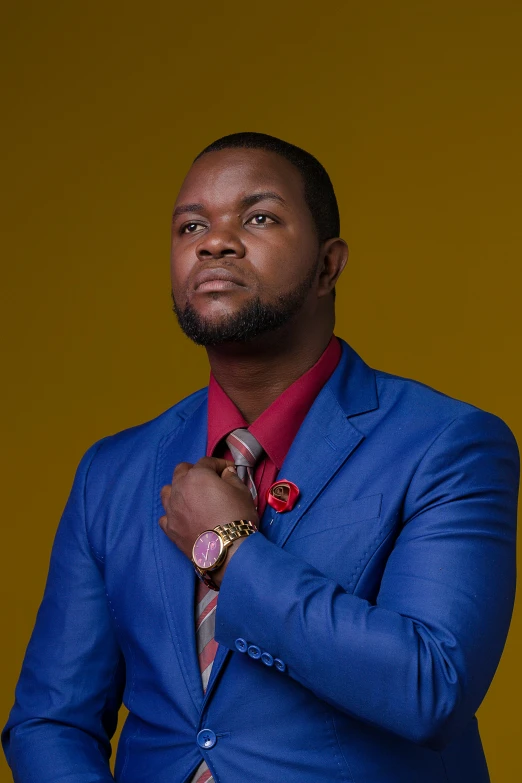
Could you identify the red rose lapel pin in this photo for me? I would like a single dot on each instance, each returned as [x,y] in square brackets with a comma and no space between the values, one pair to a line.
[282,495]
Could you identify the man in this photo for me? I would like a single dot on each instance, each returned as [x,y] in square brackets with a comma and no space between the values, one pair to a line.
[346,622]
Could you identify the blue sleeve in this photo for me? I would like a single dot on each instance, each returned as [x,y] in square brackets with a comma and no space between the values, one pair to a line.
[69,691]
[419,661]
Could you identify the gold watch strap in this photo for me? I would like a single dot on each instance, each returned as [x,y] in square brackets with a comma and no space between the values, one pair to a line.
[230,531]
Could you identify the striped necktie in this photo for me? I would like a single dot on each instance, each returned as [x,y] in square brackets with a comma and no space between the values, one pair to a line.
[246,451]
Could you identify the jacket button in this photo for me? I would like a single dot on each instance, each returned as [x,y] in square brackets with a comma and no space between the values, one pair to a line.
[280,665]
[241,645]
[254,651]
[206,739]
[267,659]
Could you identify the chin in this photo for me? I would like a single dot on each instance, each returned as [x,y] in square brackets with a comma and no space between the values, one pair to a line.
[220,320]
[215,319]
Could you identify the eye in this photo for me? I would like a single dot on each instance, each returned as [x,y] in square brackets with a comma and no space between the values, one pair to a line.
[260,219]
[190,228]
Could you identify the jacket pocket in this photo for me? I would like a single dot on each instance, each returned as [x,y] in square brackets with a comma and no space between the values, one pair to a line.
[323,517]
[340,540]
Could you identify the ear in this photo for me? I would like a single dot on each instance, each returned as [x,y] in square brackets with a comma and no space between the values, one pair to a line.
[334,255]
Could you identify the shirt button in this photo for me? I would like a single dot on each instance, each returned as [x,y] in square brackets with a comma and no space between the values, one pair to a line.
[254,651]
[206,739]
[267,659]
[280,665]
[241,645]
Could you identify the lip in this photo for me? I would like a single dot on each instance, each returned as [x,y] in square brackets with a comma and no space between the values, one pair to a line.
[217,279]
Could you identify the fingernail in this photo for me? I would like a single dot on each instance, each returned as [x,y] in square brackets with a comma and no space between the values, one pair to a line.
[231,469]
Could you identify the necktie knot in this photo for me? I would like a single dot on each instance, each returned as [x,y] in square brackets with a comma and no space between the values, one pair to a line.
[245,449]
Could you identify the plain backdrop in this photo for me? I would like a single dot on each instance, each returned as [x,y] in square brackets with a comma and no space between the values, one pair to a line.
[414,109]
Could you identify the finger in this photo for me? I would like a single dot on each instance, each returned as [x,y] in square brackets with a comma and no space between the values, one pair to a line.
[165,494]
[181,470]
[162,521]
[229,474]
[214,463]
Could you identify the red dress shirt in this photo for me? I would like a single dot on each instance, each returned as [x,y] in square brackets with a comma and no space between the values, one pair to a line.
[277,426]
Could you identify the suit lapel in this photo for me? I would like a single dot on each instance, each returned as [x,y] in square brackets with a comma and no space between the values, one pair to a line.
[222,655]
[177,576]
[325,440]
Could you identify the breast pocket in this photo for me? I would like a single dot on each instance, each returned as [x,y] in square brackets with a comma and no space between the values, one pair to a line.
[339,539]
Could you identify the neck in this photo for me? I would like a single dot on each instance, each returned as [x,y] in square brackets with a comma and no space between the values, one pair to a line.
[254,374]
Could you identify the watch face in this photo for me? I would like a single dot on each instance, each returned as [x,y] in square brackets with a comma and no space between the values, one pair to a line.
[207,549]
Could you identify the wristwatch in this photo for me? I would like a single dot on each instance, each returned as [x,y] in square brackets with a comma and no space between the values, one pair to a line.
[210,547]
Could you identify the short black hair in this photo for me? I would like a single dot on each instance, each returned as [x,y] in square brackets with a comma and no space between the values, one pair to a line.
[318,189]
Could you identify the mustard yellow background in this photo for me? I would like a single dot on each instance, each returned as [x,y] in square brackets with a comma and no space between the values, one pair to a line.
[413,107]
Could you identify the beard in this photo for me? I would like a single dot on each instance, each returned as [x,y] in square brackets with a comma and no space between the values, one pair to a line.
[254,319]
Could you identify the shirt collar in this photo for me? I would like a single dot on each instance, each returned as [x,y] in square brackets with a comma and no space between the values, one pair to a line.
[277,426]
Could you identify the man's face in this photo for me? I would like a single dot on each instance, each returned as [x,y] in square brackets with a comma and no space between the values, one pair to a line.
[244,246]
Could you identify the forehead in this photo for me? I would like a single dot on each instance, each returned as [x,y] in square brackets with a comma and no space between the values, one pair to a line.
[224,177]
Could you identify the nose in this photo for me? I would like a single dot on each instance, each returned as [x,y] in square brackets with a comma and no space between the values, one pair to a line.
[219,243]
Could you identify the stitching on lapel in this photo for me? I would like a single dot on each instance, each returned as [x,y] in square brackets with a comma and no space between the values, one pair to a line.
[156,503]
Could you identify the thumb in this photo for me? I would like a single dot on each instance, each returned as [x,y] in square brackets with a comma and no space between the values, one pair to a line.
[230,476]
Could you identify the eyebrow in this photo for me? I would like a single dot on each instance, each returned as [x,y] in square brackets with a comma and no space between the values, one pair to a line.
[184,208]
[265,195]
[246,201]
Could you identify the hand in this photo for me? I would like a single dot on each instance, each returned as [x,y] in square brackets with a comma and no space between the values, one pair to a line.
[202,496]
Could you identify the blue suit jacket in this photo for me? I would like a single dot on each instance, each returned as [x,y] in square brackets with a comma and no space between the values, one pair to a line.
[386,595]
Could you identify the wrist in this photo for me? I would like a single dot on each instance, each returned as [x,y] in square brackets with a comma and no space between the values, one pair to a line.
[211,550]
[217,576]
